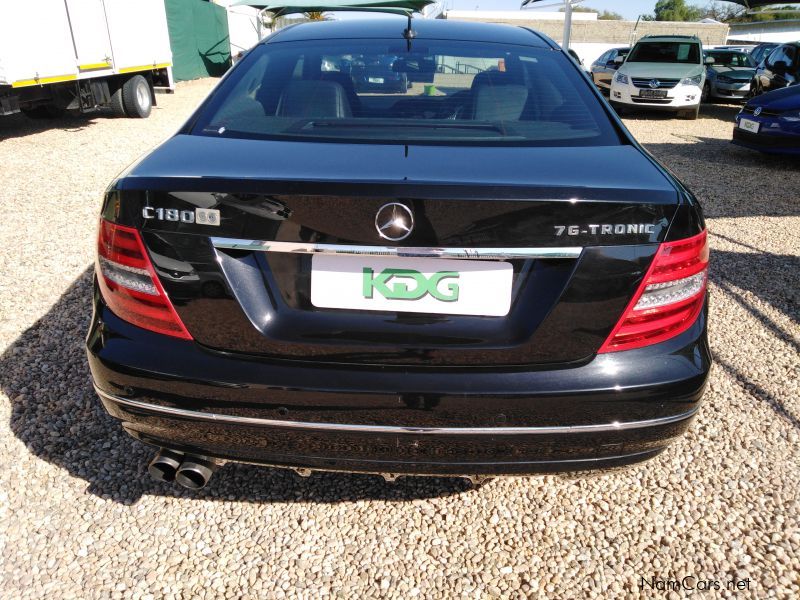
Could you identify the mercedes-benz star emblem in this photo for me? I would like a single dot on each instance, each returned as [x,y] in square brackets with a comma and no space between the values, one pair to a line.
[757,111]
[394,221]
[655,84]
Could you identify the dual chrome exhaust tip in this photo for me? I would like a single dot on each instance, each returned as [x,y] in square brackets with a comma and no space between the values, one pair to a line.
[192,472]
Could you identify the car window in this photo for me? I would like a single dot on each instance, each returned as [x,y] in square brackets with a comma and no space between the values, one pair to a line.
[777,55]
[605,57]
[731,59]
[378,91]
[666,52]
[765,51]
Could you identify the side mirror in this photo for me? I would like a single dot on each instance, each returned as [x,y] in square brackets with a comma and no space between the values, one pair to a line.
[780,66]
[710,60]
[619,60]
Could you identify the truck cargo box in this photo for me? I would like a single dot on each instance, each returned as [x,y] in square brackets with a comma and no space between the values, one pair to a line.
[59,42]
[49,41]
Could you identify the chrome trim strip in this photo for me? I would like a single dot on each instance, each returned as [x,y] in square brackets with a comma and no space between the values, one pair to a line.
[389,429]
[358,250]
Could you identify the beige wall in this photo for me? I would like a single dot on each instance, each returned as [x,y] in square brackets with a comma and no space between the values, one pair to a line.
[619,32]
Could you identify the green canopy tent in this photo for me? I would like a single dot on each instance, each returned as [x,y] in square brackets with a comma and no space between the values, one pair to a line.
[289,7]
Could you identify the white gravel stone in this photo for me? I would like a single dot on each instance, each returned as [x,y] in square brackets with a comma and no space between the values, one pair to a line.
[80,519]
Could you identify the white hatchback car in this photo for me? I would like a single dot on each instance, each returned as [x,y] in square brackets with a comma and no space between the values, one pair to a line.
[662,73]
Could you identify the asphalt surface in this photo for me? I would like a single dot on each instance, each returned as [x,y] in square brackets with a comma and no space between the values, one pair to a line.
[79,518]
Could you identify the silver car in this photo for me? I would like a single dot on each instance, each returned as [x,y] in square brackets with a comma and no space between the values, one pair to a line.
[729,76]
[603,68]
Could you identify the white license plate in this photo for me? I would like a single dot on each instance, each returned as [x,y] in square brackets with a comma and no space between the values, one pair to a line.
[652,93]
[748,125]
[421,285]
[376,79]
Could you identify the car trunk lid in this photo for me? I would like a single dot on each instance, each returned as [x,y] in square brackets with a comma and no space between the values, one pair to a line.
[578,227]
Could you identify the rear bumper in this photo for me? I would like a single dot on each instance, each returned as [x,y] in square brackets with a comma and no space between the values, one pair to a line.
[616,409]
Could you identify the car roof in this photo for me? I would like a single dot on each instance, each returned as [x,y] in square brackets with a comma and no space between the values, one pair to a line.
[433,29]
[670,38]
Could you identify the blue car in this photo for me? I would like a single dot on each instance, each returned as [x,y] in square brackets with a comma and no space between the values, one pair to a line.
[770,122]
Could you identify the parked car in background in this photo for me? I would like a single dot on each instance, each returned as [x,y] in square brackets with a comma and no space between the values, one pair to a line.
[662,73]
[604,68]
[577,59]
[780,69]
[377,74]
[770,122]
[762,51]
[743,48]
[729,77]
[413,285]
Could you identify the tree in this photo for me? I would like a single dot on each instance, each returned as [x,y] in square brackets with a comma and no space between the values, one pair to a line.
[724,12]
[316,15]
[677,10]
[610,15]
[606,15]
[777,13]
[787,11]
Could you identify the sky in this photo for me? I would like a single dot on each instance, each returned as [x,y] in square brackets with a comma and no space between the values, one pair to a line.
[630,9]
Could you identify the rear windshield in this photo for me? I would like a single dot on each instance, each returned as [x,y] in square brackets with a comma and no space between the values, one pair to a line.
[732,59]
[666,52]
[379,91]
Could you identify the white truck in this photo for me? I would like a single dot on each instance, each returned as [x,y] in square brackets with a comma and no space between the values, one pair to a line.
[80,55]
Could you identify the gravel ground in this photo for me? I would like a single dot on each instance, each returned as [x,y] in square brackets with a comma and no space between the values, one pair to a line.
[80,519]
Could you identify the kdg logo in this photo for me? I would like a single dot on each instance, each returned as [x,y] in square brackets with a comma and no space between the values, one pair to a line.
[408,284]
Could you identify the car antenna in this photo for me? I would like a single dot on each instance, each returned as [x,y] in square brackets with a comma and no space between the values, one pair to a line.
[409,33]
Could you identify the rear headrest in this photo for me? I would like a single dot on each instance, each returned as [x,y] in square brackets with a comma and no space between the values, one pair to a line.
[500,103]
[346,82]
[496,78]
[314,99]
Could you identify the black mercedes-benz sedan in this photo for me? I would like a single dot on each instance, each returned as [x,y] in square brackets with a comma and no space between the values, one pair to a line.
[485,275]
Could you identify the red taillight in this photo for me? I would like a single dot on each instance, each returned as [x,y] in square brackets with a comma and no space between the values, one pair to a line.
[669,299]
[129,284]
